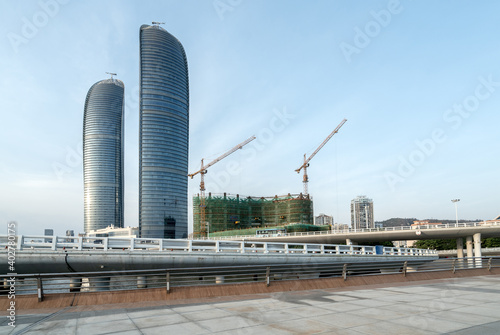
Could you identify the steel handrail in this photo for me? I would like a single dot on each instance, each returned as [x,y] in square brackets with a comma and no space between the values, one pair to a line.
[176,277]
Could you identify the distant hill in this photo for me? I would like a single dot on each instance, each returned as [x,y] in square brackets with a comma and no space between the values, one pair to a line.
[398,222]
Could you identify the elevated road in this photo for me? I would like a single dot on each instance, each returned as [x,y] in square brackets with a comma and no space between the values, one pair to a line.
[443,231]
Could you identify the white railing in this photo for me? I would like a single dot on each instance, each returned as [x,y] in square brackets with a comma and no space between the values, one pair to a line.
[366,230]
[116,244]
[483,251]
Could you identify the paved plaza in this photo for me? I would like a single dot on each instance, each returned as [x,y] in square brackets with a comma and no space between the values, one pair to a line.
[452,306]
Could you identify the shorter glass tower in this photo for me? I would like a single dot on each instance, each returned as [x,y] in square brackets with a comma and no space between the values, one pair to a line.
[103,155]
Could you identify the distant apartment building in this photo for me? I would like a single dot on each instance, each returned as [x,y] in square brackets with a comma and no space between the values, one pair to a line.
[323,220]
[340,226]
[362,213]
[69,235]
[48,232]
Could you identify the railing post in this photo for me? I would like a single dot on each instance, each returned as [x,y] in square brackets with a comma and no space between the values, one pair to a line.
[190,245]
[132,243]
[268,272]
[454,266]
[344,272]
[305,249]
[168,282]
[217,246]
[39,288]
[265,248]
[242,247]
[322,248]
[489,264]
[80,242]
[54,242]
[20,241]
[160,244]
[405,268]
[105,244]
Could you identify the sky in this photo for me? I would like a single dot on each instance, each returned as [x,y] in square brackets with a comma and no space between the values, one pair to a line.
[418,82]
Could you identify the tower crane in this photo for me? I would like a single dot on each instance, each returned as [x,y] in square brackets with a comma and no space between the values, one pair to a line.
[304,166]
[203,170]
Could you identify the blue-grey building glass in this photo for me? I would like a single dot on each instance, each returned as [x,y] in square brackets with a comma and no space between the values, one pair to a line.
[103,155]
[163,135]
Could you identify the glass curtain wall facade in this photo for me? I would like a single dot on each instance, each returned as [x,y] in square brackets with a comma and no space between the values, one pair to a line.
[103,155]
[163,135]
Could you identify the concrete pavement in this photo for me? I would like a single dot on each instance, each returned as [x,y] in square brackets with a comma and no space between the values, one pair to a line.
[449,306]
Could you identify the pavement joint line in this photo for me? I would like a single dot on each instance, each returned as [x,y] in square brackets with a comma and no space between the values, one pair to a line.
[46,318]
[201,326]
[131,320]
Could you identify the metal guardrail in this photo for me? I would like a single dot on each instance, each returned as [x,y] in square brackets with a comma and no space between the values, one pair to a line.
[82,282]
[368,230]
[484,252]
[39,242]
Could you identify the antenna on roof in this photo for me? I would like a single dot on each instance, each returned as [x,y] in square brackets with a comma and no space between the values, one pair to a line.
[157,23]
[111,74]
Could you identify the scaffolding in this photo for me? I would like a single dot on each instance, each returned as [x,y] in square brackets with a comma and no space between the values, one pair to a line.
[226,212]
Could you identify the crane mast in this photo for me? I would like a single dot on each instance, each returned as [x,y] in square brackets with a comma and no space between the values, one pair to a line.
[203,170]
[305,178]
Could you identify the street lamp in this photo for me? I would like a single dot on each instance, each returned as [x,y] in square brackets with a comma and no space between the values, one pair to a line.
[456,208]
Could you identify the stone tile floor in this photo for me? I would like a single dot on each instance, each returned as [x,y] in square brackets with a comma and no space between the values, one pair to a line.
[453,306]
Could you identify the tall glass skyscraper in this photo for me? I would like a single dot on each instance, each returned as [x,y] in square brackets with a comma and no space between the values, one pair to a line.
[163,135]
[103,155]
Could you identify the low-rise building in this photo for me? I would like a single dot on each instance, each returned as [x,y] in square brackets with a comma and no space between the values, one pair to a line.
[323,220]
[111,231]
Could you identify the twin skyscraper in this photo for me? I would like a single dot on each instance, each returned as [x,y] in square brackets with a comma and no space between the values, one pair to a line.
[163,142]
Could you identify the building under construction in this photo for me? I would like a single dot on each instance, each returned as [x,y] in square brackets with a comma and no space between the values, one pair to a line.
[226,212]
